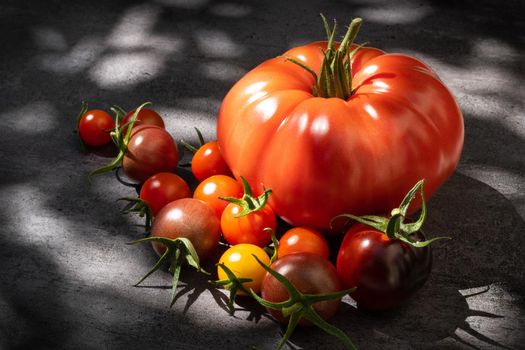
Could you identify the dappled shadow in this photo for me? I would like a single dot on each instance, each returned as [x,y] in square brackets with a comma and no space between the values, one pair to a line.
[65,235]
[470,277]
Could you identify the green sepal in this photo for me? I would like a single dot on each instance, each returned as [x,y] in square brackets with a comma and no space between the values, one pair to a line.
[178,251]
[335,75]
[313,317]
[300,64]
[120,140]
[233,284]
[300,305]
[192,148]
[248,202]
[119,109]
[394,226]
[140,207]
[272,253]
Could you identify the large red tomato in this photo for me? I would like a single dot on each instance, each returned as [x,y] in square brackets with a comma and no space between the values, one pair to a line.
[358,154]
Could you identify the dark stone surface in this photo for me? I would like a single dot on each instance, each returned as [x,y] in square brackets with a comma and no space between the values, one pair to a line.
[66,275]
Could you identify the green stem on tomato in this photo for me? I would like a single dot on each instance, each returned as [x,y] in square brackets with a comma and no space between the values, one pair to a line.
[300,305]
[192,148]
[120,140]
[248,202]
[140,207]
[233,284]
[335,76]
[394,226]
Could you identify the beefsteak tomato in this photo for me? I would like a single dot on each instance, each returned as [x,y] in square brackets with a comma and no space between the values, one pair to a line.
[351,126]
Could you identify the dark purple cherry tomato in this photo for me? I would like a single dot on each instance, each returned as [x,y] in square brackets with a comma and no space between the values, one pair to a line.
[189,218]
[151,150]
[310,274]
[384,271]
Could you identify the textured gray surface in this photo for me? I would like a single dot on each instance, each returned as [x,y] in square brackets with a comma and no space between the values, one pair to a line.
[66,275]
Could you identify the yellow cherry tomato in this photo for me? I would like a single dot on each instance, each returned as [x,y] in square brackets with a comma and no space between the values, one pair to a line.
[240,261]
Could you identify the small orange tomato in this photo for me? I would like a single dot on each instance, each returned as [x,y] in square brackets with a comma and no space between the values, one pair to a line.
[208,161]
[303,240]
[217,186]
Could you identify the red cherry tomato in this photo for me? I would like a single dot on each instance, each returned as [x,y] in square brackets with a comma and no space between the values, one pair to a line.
[145,117]
[151,150]
[94,127]
[217,186]
[303,240]
[189,218]
[208,161]
[249,228]
[310,274]
[163,188]
[384,271]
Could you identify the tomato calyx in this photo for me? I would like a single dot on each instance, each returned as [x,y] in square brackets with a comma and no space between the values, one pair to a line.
[394,226]
[120,139]
[335,76]
[248,202]
[272,251]
[192,148]
[300,305]
[233,284]
[178,251]
[140,207]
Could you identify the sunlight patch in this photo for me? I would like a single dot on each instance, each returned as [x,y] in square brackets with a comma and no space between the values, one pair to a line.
[125,69]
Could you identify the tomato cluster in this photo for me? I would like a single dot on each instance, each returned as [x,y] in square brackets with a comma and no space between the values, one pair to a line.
[299,273]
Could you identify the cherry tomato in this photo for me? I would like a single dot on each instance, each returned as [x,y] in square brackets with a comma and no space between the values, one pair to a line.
[303,240]
[94,127]
[145,117]
[310,274]
[217,186]
[249,228]
[189,218]
[151,150]
[384,271]
[208,161]
[163,188]
[239,259]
